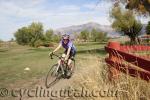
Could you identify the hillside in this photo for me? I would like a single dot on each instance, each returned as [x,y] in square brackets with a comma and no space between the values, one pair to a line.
[87,26]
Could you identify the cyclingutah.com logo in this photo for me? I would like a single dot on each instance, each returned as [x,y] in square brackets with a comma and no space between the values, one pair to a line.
[40,92]
[4,92]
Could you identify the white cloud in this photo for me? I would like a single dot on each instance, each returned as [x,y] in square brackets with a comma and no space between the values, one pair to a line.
[17,13]
[103,6]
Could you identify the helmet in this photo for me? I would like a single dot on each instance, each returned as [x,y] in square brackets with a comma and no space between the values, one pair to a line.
[66,36]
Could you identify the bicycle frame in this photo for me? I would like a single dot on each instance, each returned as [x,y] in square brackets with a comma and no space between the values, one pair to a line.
[62,63]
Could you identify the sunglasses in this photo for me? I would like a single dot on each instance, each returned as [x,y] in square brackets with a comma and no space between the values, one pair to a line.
[65,39]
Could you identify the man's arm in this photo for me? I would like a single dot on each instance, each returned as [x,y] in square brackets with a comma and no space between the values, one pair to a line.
[57,48]
[68,52]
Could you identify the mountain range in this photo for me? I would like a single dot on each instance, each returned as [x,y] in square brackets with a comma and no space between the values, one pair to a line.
[87,26]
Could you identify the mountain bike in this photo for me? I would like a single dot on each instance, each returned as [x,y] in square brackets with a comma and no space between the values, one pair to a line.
[57,72]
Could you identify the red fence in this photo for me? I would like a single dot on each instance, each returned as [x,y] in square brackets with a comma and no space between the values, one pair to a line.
[135,48]
[120,60]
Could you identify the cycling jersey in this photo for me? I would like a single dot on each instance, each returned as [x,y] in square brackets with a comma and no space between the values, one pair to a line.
[69,44]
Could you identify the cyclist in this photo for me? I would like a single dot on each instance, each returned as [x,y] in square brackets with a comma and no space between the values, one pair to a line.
[70,50]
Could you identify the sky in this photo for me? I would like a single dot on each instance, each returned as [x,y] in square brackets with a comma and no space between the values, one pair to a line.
[53,14]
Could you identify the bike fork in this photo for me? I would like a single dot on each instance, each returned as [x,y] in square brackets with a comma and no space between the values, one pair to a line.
[57,68]
[62,69]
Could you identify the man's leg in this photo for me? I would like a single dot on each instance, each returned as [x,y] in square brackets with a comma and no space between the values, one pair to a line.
[69,64]
[72,55]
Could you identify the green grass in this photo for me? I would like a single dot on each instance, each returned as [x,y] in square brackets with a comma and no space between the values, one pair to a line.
[93,70]
[16,58]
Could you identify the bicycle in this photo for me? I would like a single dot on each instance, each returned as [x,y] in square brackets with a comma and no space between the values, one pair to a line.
[57,72]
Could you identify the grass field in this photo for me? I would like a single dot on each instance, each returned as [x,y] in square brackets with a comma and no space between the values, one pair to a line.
[16,58]
[92,71]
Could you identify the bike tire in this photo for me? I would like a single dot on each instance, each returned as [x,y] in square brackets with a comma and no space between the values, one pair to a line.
[73,67]
[52,77]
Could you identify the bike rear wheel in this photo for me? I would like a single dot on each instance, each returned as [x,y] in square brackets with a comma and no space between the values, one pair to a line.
[73,67]
[52,76]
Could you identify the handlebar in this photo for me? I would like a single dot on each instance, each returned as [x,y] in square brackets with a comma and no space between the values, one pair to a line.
[55,55]
[58,56]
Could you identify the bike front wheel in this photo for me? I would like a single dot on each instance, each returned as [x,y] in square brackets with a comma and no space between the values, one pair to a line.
[53,76]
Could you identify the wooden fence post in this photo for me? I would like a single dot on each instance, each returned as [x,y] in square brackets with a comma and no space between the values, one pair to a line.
[113,72]
[120,60]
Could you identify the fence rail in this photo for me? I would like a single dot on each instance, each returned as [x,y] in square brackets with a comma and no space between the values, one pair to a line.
[135,48]
[123,61]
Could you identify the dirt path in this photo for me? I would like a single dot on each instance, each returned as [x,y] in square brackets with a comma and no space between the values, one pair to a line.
[85,74]
[62,84]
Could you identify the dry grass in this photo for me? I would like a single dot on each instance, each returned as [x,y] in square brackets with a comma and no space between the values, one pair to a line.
[94,77]
[131,88]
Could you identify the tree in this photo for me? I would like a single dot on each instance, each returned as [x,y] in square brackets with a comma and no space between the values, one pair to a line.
[127,25]
[56,37]
[97,35]
[29,35]
[23,36]
[148,31]
[1,41]
[148,28]
[36,31]
[12,40]
[48,35]
[94,34]
[76,35]
[142,6]
[102,36]
[84,35]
